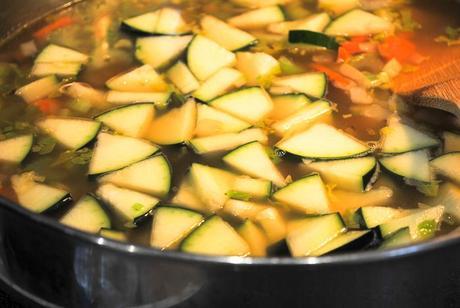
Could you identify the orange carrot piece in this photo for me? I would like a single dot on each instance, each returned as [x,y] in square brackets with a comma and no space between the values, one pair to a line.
[62,22]
[332,75]
[398,47]
[48,106]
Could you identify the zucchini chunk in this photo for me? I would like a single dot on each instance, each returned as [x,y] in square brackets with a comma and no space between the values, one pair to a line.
[312,84]
[225,142]
[72,133]
[182,78]
[87,215]
[205,57]
[322,141]
[255,238]
[171,225]
[307,195]
[130,120]
[38,197]
[130,206]
[451,142]
[211,185]
[449,197]
[242,210]
[400,138]
[14,150]
[58,69]
[259,68]
[411,165]
[338,7]
[370,217]
[351,240]
[252,188]
[225,80]
[57,54]
[380,196]
[303,118]
[250,104]
[187,198]
[145,23]
[226,35]
[312,233]
[141,79]
[273,224]
[174,127]
[38,89]
[150,176]
[358,22]
[114,235]
[448,165]
[355,174]
[313,38]
[160,99]
[287,104]
[416,221]
[258,18]
[114,152]
[400,238]
[252,159]
[163,21]
[161,51]
[215,237]
[211,121]
[259,3]
[315,22]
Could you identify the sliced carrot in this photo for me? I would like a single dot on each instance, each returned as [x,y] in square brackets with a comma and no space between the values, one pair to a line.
[398,47]
[333,75]
[62,22]
[48,106]
[343,55]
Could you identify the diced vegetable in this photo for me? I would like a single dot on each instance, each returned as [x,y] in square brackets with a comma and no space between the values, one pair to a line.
[160,99]
[114,235]
[258,18]
[38,197]
[211,121]
[187,198]
[338,6]
[207,239]
[252,159]
[312,84]
[87,215]
[205,57]
[372,216]
[312,38]
[59,69]
[171,225]
[57,54]
[60,23]
[259,68]
[252,188]
[402,237]
[255,238]
[449,197]
[161,51]
[242,210]
[287,104]
[350,240]
[163,21]
[141,79]
[72,133]
[358,22]
[131,206]
[307,195]
[273,224]
[259,3]
[400,138]
[448,165]
[451,142]
[175,126]
[151,176]
[39,89]
[145,23]
[322,141]
[14,150]
[220,83]
[411,165]
[249,104]
[182,78]
[225,35]
[113,152]
[343,200]
[315,22]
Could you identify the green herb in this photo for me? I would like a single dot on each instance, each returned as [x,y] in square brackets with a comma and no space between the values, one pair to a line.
[72,158]
[451,37]
[238,195]
[137,207]
[427,228]
[44,145]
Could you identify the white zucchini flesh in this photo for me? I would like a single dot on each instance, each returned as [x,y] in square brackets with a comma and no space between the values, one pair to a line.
[171,225]
[130,120]
[113,152]
[312,84]
[211,121]
[307,195]
[207,240]
[315,23]
[355,238]
[302,118]
[72,133]
[250,104]
[182,78]
[129,205]
[220,83]
[55,68]
[161,51]
[228,141]
[150,176]
[170,21]
[252,159]
[258,67]
[186,197]
[144,23]
[451,142]
[259,3]
[37,197]
[449,197]
[372,216]
[255,238]
[355,174]
[400,138]
[114,235]
[381,196]
[87,215]
[273,224]
[205,57]
[242,210]
[226,35]
[338,7]
[358,22]
[174,127]
[160,99]
[14,150]
[57,54]
[141,79]
[322,141]
[39,89]
[258,18]
[411,165]
[448,165]
[254,188]
[287,104]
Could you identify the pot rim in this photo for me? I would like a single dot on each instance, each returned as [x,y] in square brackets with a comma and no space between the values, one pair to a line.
[444,241]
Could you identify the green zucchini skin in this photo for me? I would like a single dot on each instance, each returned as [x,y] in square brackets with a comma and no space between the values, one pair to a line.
[313,38]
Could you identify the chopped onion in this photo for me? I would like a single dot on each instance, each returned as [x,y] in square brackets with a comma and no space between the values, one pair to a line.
[359,95]
[85,92]
[354,74]
[28,49]
[392,68]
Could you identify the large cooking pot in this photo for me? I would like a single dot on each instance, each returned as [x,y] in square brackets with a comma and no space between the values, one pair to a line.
[53,265]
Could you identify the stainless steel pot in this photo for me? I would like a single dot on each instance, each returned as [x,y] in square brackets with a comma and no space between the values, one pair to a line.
[53,265]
